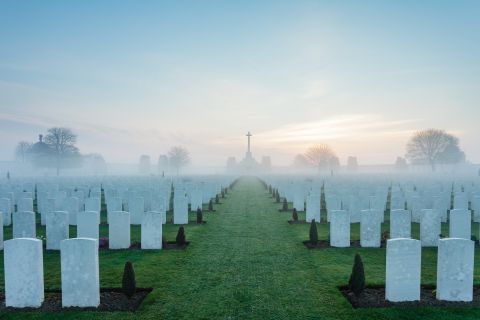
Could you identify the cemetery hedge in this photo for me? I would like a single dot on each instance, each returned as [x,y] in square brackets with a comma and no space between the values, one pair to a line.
[247,263]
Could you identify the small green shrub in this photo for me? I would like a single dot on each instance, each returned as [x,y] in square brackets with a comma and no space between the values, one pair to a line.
[129,285]
[199,215]
[313,234]
[285,205]
[180,239]
[294,215]
[356,282]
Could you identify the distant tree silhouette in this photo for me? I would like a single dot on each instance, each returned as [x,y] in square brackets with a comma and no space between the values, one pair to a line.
[433,146]
[178,157]
[22,150]
[321,156]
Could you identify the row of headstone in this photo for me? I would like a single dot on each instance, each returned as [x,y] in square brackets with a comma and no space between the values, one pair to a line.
[57,228]
[24,279]
[400,226]
[455,263]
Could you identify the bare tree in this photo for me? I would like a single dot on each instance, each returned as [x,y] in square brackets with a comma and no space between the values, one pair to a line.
[62,144]
[178,157]
[321,156]
[433,146]
[22,150]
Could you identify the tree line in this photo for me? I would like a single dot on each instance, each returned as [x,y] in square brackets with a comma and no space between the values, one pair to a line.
[430,147]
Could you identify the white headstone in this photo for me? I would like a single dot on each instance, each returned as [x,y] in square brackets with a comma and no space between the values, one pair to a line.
[403,269]
[400,224]
[57,229]
[313,207]
[180,210]
[152,230]
[136,206]
[25,204]
[430,227]
[5,207]
[460,224]
[23,261]
[80,274]
[119,230]
[455,269]
[339,228]
[72,205]
[24,225]
[370,225]
[87,225]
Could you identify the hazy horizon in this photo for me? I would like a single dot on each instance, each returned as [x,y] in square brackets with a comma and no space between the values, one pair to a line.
[133,78]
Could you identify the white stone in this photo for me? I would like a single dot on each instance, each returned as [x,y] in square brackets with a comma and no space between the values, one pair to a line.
[180,210]
[57,229]
[93,204]
[114,204]
[460,224]
[370,225]
[136,207]
[403,269]
[23,261]
[80,273]
[119,230]
[340,228]
[313,207]
[430,227]
[6,209]
[400,224]
[72,205]
[49,207]
[196,200]
[455,269]
[152,230]
[24,225]
[87,225]
[25,204]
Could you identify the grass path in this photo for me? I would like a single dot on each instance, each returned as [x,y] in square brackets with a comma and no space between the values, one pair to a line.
[247,263]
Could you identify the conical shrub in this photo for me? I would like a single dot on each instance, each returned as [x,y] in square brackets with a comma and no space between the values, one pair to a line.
[285,205]
[129,285]
[277,197]
[210,205]
[223,193]
[180,239]
[199,215]
[217,199]
[313,234]
[294,215]
[356,282]
[164,242]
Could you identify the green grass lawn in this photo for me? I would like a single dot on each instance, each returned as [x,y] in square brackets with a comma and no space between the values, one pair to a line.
[247,262]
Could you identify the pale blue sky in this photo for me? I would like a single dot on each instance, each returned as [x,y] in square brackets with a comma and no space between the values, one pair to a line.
[134,77]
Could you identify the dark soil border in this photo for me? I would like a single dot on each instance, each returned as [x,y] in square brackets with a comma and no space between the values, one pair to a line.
[298,222]
[374,297]
[111,300]
[136,245]
[325,244]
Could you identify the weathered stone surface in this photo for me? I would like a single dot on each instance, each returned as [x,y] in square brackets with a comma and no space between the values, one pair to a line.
[400,224]
[403,269]
[23,261]
[119,230]
[80,273]
[340,228]
[24,225]
[455,269]
[152,230]
[57,229]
